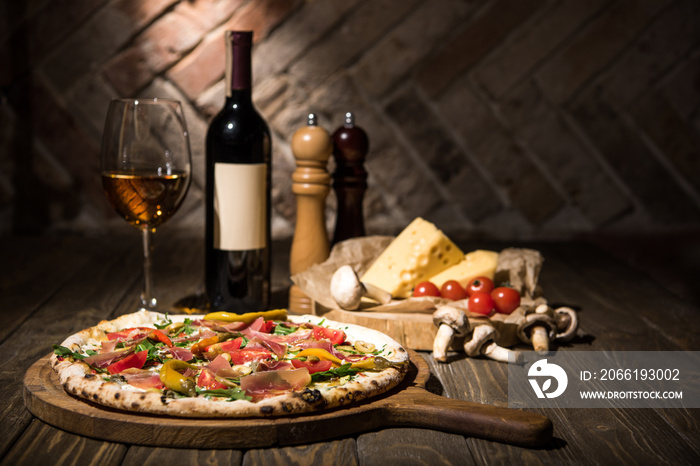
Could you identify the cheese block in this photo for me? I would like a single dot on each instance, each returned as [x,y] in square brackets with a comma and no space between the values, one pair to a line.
[420,251]
[477,263]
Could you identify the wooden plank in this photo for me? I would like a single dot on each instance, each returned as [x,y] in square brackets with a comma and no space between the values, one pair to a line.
[43,444]
[86,299]
[412,446]
[101,279]
[651,437]
[178,271]
[623,309]
[150,456]
[336,452]
[618,303]
[33,269]
[610,317]
[486,381]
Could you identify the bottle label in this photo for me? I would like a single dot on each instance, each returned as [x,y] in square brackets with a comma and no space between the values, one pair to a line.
[240,210]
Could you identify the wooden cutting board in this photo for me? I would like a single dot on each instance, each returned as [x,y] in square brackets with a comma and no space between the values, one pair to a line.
[412,330]
[408,405]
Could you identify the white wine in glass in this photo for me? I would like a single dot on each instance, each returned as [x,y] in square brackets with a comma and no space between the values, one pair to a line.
[145,167]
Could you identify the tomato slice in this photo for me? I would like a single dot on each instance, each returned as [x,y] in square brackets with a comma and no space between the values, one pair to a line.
[228,345]
[136,360]
[335,336]
[262,325]
[207,380]
[245,355]
[313,366]
[212,351]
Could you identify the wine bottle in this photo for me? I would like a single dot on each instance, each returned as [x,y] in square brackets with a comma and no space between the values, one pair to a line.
[238,177]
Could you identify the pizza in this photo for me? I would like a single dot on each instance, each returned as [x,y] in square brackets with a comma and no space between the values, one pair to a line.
[227,365]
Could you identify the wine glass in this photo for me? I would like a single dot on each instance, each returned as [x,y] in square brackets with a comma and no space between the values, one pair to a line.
[145,167]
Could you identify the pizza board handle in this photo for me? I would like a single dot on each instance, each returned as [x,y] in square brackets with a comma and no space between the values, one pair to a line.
[416,407]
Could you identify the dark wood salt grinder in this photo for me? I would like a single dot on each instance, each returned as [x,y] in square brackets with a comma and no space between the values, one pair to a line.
[350,147]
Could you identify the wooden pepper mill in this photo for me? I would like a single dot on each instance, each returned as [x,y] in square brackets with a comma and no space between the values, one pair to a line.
[311,182]
[349,179]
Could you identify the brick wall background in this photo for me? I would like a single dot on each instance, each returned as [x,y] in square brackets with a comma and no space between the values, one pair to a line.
[506,119]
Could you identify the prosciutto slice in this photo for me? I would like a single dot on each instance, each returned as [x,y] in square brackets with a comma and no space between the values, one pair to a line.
[262,384]
[108,346]
[218,364]
[275,366]
[141,378]
[280,349]
[206,333]
[290,339]
[181,353]
[221,326]
[102,360]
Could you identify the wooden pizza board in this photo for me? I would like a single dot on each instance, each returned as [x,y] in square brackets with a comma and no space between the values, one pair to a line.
[408,405]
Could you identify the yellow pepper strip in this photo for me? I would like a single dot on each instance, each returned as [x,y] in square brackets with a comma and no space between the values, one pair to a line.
[174,380]
[249,317]
[320,354]
[366,364]
[377,363]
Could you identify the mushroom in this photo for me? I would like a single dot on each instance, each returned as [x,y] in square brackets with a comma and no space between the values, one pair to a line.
[567,323]
[483,343]
[538,328]
[347,290]
[451,322]
[546,324]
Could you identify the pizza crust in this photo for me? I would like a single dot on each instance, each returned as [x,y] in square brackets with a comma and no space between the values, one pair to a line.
[77,378]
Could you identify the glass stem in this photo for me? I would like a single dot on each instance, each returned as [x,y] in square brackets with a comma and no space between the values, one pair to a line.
[148,301]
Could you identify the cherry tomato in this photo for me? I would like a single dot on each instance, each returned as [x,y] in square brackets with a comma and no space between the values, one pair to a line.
[480,303]
[426,289]
[506,299]
[451,289]
[484,284]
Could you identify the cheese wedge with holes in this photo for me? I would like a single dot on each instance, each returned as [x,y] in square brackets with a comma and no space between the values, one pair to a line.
[420,251]
[479,263]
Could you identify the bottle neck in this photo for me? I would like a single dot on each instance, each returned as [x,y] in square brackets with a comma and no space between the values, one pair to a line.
[240,97]
[238,64]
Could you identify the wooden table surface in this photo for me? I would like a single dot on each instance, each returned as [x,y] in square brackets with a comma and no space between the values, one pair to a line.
[51,287]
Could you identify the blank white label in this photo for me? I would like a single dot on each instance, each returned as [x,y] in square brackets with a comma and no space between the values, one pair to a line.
[240,213]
